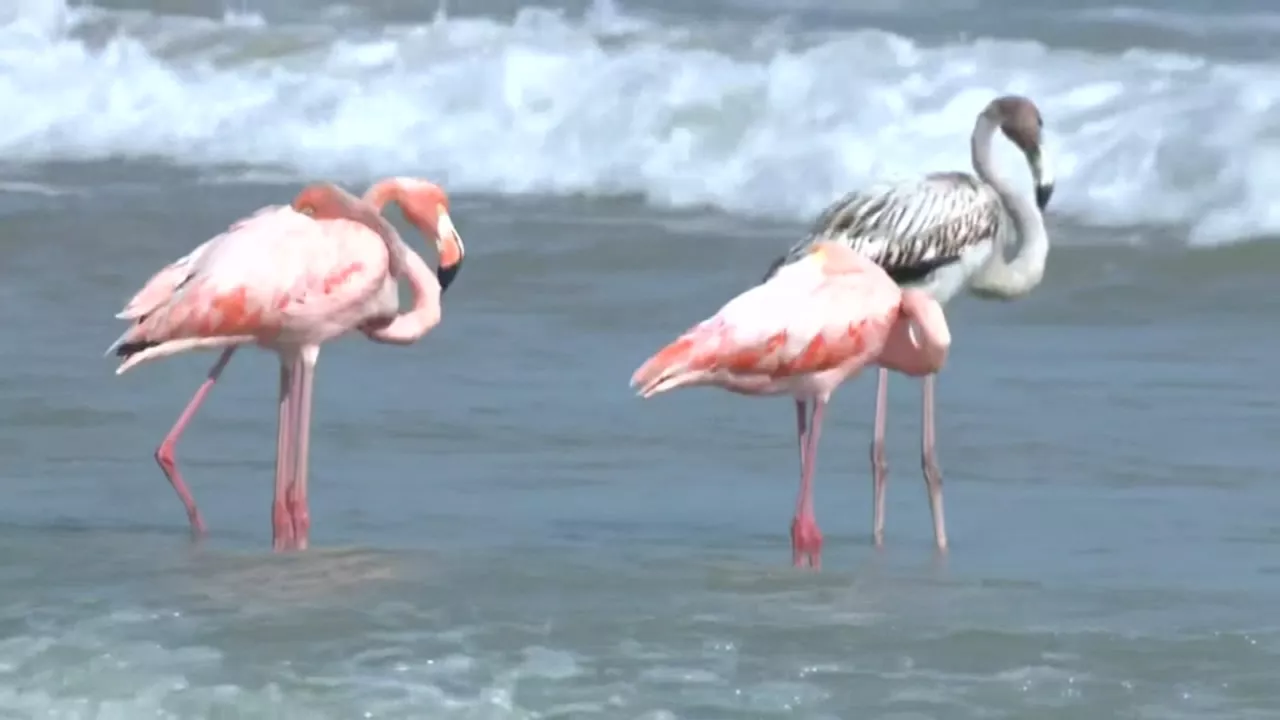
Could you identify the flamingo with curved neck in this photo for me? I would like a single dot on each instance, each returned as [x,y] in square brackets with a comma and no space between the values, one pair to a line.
[426,207]
[999,278]
[804,331]
[943,233]
[329,218]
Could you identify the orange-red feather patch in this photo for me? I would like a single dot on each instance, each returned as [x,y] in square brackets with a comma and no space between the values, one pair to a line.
[231,313]
[339,277]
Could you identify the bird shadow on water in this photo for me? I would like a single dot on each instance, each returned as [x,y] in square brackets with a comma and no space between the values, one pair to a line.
[848,561]
[165,563]
[857,585]
[266,581]
[892,558]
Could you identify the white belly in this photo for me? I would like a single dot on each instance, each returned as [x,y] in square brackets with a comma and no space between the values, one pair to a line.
[943,284]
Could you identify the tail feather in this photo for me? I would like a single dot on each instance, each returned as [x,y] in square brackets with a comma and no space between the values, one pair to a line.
[129,343]
[118,347]
[124,350]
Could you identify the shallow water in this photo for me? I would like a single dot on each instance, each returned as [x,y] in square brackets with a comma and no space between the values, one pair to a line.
[502,530]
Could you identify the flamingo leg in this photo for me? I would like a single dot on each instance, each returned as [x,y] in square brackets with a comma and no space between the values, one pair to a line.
[802,417]
[879,466]
[806,538]
[929,463]
[164,454]
[281,522]
[297,498]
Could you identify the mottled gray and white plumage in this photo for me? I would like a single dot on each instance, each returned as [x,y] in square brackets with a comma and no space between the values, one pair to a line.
[913,228]
[940,234]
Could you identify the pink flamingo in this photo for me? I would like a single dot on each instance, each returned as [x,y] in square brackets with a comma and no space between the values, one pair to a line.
[808,328]
[289,278]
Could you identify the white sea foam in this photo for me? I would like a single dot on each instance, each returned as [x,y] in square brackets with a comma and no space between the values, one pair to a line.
[750,120]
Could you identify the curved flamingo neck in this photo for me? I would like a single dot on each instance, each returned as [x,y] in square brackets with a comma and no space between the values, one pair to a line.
[393,190]
[999,277]
[326,201]
[383,192]
[919,339]
[424,312]
[424,288]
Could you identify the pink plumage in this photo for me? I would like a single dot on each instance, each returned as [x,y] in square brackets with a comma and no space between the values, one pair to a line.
[811,326]
[280,278]
[289,278]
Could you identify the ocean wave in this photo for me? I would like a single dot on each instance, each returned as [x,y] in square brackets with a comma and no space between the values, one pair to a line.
[750,119]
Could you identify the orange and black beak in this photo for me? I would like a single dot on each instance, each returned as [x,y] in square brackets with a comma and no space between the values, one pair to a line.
[450,248]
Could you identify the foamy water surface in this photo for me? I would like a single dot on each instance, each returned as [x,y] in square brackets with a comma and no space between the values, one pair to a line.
[767,118]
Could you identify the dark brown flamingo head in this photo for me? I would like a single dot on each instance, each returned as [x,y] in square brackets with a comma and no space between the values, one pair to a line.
[425,205]
[1020,120]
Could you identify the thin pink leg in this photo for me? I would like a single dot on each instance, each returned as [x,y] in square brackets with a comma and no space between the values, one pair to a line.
[879,466]
[806,539]
[281,524]
[802,423]
[802,417]
[297,499]
[164,454]
[929,462]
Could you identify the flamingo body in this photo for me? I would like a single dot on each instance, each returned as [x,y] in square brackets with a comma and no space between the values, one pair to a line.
[810,326]
[280,277]
[289,278]
[793,335]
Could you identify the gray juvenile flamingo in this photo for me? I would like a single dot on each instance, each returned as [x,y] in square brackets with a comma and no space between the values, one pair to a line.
[941,234]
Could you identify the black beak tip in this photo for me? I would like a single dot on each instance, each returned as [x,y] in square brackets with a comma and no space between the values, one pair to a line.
[446,275]
[1043,193]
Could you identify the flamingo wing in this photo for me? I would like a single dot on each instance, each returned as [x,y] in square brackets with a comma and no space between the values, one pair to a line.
[162,285]
[160,288]
[910,228]
[273,269]
[805,319]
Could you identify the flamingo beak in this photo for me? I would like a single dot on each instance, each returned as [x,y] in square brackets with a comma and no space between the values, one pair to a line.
[1043,178]
[450,247]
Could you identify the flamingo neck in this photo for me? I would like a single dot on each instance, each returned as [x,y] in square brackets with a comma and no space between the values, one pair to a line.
[919,339]
[424,288]
[382,193]
[1000,278]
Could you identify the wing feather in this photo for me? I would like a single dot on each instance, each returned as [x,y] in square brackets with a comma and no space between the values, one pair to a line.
[266,272]
[801,321]
[909,229]
[160,288]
